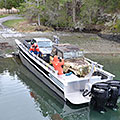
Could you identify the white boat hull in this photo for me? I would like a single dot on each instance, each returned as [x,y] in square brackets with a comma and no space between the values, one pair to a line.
[41,76]
[69,88]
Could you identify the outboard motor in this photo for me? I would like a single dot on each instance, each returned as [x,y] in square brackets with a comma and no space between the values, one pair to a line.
[114,93]
[100,95]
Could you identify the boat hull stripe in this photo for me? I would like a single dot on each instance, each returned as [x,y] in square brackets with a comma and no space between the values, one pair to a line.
[46,73]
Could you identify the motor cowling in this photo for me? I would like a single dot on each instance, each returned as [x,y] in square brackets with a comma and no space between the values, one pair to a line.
[100,95]
[114,93]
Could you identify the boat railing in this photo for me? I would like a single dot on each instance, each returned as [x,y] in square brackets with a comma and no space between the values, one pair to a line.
[40,60]
[43,62]
[109,75]
[96,64]
[57,81]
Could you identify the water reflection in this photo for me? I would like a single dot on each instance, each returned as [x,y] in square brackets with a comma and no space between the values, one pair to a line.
[110,115]
[111,62]
[31,97]
[23,96]
[48,103]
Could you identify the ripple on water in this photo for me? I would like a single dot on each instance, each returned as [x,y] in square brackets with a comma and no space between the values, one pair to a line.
[23,99]
[15,99]
[11,86]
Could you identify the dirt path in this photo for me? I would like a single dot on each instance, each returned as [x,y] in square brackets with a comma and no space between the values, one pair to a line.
[11,17]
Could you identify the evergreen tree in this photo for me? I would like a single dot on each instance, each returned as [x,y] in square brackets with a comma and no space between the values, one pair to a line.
[33,9]
[10,3]
[67,13]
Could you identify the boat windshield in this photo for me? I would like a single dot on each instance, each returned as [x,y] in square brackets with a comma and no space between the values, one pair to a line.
[44,44]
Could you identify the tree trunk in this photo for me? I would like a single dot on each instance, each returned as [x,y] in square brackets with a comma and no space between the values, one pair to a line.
[38,19]
[44,1]
[38,13]
[74,11]
[5,3]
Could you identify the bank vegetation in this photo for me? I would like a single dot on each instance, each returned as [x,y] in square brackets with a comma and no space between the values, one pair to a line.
[72,15]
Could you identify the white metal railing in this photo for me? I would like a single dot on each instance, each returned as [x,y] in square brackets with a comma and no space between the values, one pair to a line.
[105,73]
[40,60]
[96,64]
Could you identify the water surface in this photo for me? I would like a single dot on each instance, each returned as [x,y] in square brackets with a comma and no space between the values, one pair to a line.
[24,97]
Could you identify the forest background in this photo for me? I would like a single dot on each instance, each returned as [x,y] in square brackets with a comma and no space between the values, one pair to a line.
[72,15]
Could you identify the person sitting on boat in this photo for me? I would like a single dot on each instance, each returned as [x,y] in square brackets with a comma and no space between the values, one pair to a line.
[58,65]
[34,48]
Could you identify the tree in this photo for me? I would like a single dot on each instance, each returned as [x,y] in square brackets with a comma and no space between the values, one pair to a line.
[110,5]
[67,13]
[38,12]
[10,3]
[57,13]
[89,11]
[32,9]
[74,11]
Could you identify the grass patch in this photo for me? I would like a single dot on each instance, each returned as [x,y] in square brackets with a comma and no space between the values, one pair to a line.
[22,25]
[1,16]
[93,38]
[7,51]
[13,23]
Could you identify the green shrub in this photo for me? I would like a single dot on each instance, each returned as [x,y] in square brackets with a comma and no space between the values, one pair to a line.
[1,16]
[116,27]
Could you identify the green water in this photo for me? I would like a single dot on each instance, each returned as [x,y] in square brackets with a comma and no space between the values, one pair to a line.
[24,97]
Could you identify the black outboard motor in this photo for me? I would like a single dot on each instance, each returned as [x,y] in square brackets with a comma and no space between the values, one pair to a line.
[114,93]
[100,95]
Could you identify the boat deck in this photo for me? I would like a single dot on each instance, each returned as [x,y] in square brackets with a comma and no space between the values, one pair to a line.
[77,98]
[69,78]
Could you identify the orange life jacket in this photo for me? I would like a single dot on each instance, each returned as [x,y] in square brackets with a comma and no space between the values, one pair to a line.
[57,65]
[34,48]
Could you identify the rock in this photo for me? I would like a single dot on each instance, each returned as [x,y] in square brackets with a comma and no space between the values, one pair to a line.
[110,23]
[110,36]
[105,17]
[118,16]
[1,56]
[93,28]
[56,117]
[34,24]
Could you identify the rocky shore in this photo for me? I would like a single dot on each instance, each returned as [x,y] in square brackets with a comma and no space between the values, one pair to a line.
[110,36]
[90,43]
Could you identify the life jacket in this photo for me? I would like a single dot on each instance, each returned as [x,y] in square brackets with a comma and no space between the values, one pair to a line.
[34,48]
[58,65]
[55,62]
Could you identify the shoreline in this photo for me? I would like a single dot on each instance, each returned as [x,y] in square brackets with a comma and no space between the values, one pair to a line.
[89,43]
